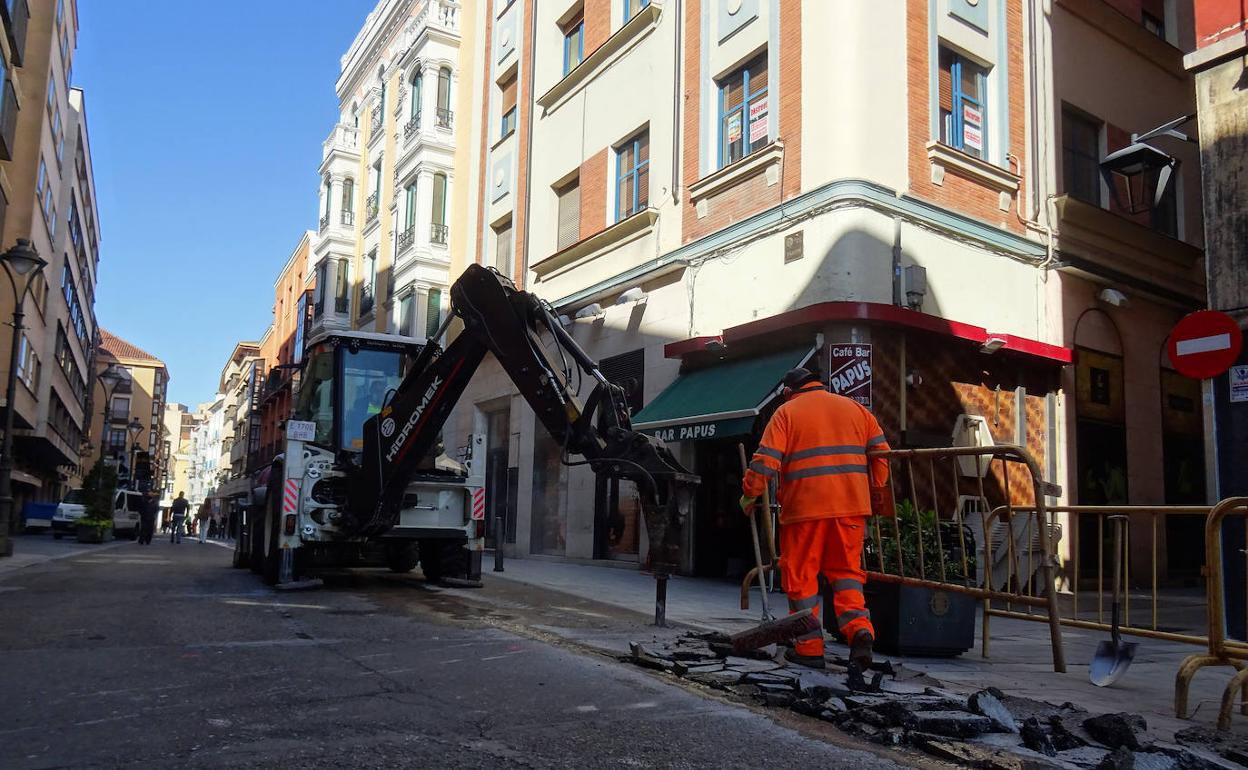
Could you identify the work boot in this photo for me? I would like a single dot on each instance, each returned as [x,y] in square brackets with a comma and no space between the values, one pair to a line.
[809,661]
[860,650]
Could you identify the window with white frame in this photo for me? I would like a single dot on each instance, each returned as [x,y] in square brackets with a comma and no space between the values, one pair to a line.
[632,175]
[507,125]
[433,312]
[407,314]
[743,110]
[368,292]
[963,87]
[438,230]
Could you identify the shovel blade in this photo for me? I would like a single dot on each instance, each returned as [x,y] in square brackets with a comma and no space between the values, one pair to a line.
[1110,662]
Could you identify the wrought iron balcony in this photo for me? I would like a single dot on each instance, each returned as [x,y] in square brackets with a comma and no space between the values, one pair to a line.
[445,117]
[376,120]
[438,233]
[407,238]
[371,207]
[348,218]
[411,127]
[16,18]
[324,222]
[366,299]
[341,305]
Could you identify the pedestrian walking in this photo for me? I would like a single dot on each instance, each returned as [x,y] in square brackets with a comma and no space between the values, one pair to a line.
[202,520]
[815,449]
[147,519]
[179,510]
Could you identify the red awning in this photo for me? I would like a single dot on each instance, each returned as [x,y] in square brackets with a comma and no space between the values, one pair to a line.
[874,312]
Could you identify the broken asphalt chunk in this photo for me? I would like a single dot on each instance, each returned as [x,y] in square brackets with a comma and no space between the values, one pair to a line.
[1036,738]
[987,704]
[953,724]
[643,657]
[720,679]
[1117,730]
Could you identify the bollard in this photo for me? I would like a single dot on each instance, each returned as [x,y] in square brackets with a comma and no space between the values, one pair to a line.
[660,601]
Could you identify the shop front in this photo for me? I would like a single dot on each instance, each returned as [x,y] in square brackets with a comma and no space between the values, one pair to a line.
[715,407]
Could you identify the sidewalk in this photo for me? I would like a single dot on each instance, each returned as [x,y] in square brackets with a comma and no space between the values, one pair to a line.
[32,549]
[1020,662]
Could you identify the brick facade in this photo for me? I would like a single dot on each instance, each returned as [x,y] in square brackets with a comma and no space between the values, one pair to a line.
[593,176]
[597,24]
[959,193]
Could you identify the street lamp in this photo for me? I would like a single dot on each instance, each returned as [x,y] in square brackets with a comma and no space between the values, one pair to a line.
[1144,170]
[134,428]
[21,264]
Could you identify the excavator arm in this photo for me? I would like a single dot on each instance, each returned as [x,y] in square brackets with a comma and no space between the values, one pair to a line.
[510,324]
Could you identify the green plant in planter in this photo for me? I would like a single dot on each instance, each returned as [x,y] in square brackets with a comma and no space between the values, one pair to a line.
[910,528]
[99,488]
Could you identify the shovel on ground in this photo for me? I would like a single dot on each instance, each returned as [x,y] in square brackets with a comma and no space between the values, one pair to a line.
[1113,657]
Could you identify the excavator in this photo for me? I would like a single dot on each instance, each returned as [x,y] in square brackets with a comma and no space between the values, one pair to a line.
[364,469]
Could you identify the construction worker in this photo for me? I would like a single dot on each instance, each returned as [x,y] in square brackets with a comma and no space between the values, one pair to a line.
[815,448]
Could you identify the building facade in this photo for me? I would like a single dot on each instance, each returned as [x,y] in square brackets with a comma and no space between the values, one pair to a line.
[48,197]
[179,424]
[681,181]
[395,179]
[138,400]
[1217,62]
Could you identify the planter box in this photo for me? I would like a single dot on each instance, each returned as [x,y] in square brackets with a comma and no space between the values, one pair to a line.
[916,621]
[88,534]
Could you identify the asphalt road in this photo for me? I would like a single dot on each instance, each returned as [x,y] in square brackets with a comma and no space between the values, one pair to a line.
[163,656]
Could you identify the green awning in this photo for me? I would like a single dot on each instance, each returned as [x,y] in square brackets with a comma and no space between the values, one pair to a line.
[718,401]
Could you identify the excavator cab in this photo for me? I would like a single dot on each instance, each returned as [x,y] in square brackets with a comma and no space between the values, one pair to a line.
[348,377]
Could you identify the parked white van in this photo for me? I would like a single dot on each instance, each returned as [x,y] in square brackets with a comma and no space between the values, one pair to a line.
[68,512]
[127,505]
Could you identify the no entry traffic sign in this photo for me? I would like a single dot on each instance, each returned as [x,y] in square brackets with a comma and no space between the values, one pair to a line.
[1204,344]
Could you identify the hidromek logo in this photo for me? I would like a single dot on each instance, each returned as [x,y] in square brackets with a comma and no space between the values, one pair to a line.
[411,421]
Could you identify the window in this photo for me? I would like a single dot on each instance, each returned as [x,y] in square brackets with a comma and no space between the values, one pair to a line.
[1165,215]
[574,42]
[120,408]
[444,97]
[341,287]
[1081,157]
[348,201]
[369,290]
[632,7]
[632,174]
[418,91]
[743,111]
[117,440]
[58,134]
[42,191]
[322,287]
[433,312]
[410,207]
[51,93]
[569,231]
[508,108]
[438,230]
[328,199]
[405,315]
[963,111]
[1153,24]
[502,247]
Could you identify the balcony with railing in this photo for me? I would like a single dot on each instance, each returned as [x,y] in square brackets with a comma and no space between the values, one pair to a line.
[342,304]
[407,238]
[366,299]
[324,222]
[438,234]
[411,128]
[344,139]
[375,121]
[445,116]
[371,207]
[348,218]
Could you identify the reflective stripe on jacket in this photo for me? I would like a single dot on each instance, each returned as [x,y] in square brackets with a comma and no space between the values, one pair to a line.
[816,447]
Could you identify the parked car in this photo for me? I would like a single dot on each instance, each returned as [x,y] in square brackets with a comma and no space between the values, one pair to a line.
[68,512]
[127,504]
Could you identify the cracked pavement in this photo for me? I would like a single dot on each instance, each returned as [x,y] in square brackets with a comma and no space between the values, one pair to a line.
[163,656]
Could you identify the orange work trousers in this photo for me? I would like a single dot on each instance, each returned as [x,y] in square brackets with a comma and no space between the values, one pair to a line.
[832,547]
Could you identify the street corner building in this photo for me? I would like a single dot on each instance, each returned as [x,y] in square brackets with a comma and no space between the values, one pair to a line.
[906,195]
[129,422]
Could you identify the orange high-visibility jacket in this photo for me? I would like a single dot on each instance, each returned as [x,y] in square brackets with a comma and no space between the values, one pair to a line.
[816,447]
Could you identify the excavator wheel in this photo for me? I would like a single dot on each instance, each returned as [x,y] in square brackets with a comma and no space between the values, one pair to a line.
[442,558]
[402,557]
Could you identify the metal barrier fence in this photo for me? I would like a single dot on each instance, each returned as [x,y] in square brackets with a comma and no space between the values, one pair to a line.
[1078,579]
[1221,650]
[971,520]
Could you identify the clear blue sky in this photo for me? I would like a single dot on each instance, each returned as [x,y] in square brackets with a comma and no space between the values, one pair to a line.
[206,122]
